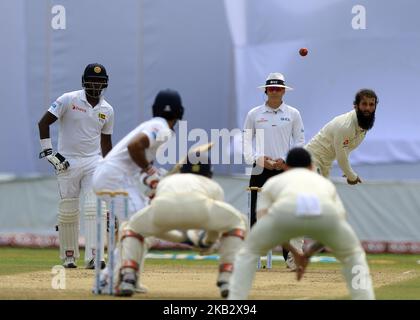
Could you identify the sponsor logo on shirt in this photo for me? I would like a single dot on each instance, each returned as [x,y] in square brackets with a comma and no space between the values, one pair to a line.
[285,119]
[102,116]
[346,143]
[262,120]
[78,108]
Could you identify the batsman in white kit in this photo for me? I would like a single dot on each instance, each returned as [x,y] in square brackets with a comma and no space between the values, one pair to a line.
[188,201]
[131,160]
[298,202]
[86,125]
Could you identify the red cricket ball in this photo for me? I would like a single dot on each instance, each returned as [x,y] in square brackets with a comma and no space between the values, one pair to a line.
[303,52]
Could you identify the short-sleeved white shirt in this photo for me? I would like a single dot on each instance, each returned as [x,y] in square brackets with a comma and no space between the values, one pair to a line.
[283,129]
[81,125]
[158,132]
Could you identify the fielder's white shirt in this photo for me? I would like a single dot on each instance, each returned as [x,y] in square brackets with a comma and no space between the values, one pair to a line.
[336,140]
[190,183]
[283,130]
[306,188]
[158,132]
[81,125]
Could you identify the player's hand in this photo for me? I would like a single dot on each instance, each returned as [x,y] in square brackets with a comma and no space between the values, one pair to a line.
[279,164]
[151,177]
[57,160]
[354,181]
[266,162]
[302,261]
[150,193]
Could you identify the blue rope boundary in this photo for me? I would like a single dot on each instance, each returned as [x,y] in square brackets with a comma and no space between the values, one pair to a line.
[197,257]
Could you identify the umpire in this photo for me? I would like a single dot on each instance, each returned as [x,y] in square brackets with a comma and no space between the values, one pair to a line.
[282,129]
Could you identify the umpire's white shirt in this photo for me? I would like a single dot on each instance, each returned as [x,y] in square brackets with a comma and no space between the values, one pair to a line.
[336,140]
[81,125]
[282,127]
[158,132]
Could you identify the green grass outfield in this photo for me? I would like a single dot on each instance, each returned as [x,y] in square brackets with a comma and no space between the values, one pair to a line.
[19,260]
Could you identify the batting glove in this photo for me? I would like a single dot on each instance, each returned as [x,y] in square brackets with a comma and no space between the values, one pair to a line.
[152,176]
[57,160]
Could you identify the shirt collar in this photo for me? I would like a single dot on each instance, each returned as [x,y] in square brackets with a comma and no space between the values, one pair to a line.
[271,110]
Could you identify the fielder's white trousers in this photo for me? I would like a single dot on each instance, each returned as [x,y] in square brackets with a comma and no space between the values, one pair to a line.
[280,224]
[169,213]
[186,211]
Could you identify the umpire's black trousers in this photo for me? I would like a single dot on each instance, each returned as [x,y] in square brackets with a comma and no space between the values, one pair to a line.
[258,180]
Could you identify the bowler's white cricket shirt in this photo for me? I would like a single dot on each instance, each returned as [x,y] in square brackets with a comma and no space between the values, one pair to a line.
[189,183]
[158,132]
[81,125]
[283,129]
[336,140]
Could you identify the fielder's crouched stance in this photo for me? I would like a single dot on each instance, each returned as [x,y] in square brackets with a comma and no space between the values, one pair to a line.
[186,201]
[299,202]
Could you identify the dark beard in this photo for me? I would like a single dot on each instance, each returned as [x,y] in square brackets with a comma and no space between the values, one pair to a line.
[365,122]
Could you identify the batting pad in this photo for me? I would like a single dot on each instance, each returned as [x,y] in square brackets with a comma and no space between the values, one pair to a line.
[90,210]
[68,227]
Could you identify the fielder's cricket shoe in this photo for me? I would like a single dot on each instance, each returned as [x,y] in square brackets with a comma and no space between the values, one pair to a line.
[69,262]
[127,285]
[141,288]
[104,284]
[195,238]
[91,264]
[223,288]
[290,262]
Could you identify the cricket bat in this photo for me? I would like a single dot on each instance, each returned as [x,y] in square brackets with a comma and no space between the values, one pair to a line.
[201,148]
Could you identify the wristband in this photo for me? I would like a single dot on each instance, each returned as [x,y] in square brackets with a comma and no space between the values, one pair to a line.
[46,143]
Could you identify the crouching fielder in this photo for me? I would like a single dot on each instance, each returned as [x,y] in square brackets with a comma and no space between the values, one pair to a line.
[186,201]
[295,203]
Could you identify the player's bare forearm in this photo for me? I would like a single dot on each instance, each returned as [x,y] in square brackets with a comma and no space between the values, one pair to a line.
[301,260]
[290,248]
[314,248]
[44,125]
[137,150]
[106,144]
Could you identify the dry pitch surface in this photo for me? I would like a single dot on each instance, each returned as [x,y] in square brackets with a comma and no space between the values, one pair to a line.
[196,280]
